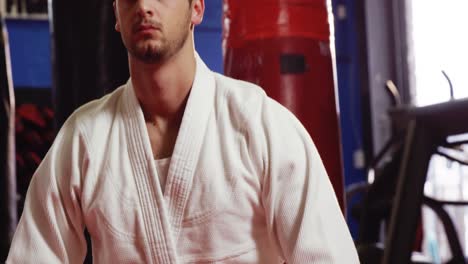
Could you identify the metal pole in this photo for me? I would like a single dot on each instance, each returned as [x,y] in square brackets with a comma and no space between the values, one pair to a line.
[8,201]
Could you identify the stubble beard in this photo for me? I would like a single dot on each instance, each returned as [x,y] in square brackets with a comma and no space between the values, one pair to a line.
[153,51]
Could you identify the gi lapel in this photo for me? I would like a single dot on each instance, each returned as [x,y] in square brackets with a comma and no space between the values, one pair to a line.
[188,144]
[160,243]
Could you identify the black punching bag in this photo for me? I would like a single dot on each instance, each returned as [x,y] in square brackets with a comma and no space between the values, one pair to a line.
[88,56]
[8,210]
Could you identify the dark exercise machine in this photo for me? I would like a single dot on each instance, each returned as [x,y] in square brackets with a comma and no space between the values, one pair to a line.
[427,129]
[397,194]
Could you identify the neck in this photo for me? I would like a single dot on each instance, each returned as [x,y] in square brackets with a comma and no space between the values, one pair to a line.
[162,88]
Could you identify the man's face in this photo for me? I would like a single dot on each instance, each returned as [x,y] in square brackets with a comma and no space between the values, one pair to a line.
[153,30]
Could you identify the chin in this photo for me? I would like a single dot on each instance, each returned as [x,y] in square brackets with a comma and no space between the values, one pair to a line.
[148,54]
[143,48]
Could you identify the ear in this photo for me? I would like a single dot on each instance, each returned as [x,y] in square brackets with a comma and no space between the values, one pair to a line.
[117,24]
[198,10]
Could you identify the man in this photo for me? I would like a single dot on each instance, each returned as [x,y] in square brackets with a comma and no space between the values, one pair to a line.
[180,165]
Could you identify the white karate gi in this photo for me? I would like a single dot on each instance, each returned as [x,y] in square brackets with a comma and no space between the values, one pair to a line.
[245,185]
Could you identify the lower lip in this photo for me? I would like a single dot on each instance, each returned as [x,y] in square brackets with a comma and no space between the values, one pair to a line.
[146,32]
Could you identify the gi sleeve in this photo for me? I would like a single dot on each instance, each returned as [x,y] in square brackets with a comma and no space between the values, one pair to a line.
[51,226]
[303,215]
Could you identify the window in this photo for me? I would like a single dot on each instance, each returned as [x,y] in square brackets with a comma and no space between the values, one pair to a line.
[440,43]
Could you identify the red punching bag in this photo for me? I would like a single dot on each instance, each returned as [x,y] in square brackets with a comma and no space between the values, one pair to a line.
[284,46]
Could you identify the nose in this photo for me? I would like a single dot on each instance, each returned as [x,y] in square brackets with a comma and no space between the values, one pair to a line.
[144,8]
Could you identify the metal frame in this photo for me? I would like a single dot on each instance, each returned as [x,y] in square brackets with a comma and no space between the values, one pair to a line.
[426,129]
[449,228]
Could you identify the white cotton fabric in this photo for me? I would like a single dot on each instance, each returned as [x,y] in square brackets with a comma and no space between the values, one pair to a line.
[162,169]
[245,184]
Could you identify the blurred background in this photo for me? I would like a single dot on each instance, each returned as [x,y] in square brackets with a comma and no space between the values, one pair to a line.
[379,85]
